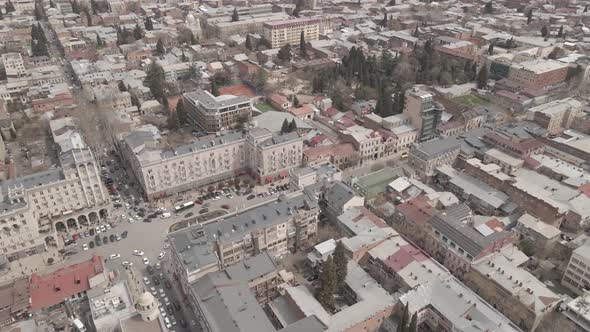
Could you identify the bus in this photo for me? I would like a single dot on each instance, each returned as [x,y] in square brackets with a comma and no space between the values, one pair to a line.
[184,206]
[79,325]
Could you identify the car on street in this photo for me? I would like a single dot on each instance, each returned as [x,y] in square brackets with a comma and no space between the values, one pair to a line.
[114,256]
[161,255]
[108,227]
[156,280]
[150,269]
[138,252]
[103,228]
[167,284]
[250,197]
[118,237]
[85,246]
[97,229]
[126,263]
[146,280]
[225,206]
[146,261]
[130,220]
[158,266]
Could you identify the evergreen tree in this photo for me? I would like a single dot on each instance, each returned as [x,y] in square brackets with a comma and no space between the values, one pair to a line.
[214,88]
[51,4]
[1,15]
[295,101]
[134,100]
[194,39]
[529,16]
[298,8]
[292,126]
[384,21]
[391,3]
[75,7]
[328,283]
[488,9]
[285,53]
[400,100]
[586,9]
[88,16]
[482,78]
[122,86]
[137,32]
[544,31]
[413,323]
[341,262]
[260,80]
[39,11]
[235,17]
[181,113]
[248,42]
[285,126]
[302,47]
[560,32]
[9,6]
[491,49]
[183,58]
[404,319]
[156,80]
[160,50]
[149,25]
[99,42]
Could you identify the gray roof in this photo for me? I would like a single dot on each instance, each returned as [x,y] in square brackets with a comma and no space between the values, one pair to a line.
[279,139]
[34,180]
[193,247]
[273,120]
[307,324]
[208,101]
[339,194]
[454,224]
[434,148]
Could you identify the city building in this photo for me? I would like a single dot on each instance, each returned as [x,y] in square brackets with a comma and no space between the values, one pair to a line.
[424,113]
[14,303]
[537,74]
[14,65]
[366,141]
[289,31]
[214,114]
[516,293]
[163,171]
[340,197]
[223,27]
[577,312]
[448,305]
[577,272]
[426,157]
[556,115]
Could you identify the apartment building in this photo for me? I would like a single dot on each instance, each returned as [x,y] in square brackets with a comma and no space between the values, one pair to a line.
[283,32]
[214,114]
[537,74]
[516,293]
[14,65]
[223,27]
[577,273]
[163,172]
[367,142]
[557,115]
[276,227]
[428,156]
[424,113]
[577,313]
[38,206]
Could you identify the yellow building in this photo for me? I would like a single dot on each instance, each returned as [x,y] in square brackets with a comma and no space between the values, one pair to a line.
[289,31]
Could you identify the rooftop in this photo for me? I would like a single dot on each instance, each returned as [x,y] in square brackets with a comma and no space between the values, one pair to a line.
[436,147]
[210,102]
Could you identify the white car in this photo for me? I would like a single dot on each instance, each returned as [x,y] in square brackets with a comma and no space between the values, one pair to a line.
[158,266]
[161,255]
[146,261]
[166,246]
[137,217]
[138,253]
[103,229]
[114,256]
[126,263]
[108,226]
[85,247]
[131,221]
[161,208]
[216,198]
[146,280]
[97,229]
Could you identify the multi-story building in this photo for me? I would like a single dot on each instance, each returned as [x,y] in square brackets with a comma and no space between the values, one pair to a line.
[577,273]
[14,65]
[160,172]
[289,31]
[214,114]
[537,74]
[424,113]
[37,206]
[557,115]
[516,293]
[428,156]
[577,312]
[223,27]
[275,228]
[366,141]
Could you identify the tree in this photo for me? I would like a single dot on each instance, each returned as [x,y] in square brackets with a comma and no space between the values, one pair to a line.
[39,11]
[99,42]
[285,53]
[403,322]
[529,16]
[50,260]
[413,323]
[91,244]
[328,283]
[248,42]
[88,16]
[488,9]
[544,31]
[75,7]
[9,6]
[384,20]
[149,25]
[292,126]
[302,49]
[210,189]
[181,113]
[156,79]
[527,247]
[285,126]
[214,88]
[391,3]
[586,9]
[341,262]
[137,32]
[160,50]
[1,15]
[560,32]
[491,49]
[298,7]
[51,4]
[261,80]
[235,17]
[482,78]
[295,101]
[105,239]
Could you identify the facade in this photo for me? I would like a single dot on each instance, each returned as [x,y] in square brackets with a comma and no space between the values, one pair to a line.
[538,74]
[428,156]
[13,65]
[366,141]
[557,115]
[14,300]
[264,155]
[423,112]
[214,114]
[577,313]
[280,33]
[577,273]
[223,27]
[38,206]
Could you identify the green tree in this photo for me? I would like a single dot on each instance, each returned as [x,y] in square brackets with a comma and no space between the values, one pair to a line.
[39,11]
[341,262]
[1,14]
[51,4]
[122,86]
[529,16]
[248,42]
[560,32]
[491,48]
[181,112]
[149,25]
[384,20]
[75,7]
[156,80]
[284,53]
[261,80]
[160,50]
[482,78]
[488,8]
[292,126]
[328,283]
[214,88]
[88,16]
[527,247]
[302,46]
[295,101]
[298,7]
[9,6]
[137,32]
[235,17]
[544,31]
[404,319]
[99,42]
[413,323]
[285,126]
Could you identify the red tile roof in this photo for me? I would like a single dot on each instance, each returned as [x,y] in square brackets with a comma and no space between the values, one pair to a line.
[417,210]
[403,257]
[52,288]
[237,90]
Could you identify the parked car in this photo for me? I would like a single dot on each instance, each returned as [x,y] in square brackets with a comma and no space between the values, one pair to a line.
[250,197]
[225,206]
[114,256]
[138,252]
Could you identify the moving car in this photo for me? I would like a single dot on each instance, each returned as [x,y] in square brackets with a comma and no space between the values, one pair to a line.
[146,261]
[114,256]
[162,254]
[126,263]
[138,253]
[85,247]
